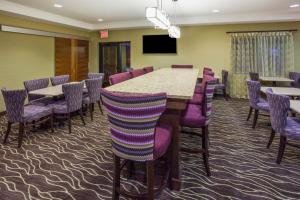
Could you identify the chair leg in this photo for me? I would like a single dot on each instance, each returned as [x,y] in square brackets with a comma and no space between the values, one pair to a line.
[52,122]
[7,132]
[21,133]
[205,153]
[116,178]
[271,138]
[150,180]
[81,116]
[70,123]
[225,94]
[256,112]
[91,111]
[100,107]
[281,149]
[250,113]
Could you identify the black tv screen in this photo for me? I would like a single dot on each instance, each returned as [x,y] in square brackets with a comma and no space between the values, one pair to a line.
[159,44]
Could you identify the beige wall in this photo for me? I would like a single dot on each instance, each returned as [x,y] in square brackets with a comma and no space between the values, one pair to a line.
[199,45]
[25,57]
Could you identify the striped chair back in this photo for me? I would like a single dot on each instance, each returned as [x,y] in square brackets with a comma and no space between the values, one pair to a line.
[209,87]
[118,78]
[59,80]
[133,118]
[35,84]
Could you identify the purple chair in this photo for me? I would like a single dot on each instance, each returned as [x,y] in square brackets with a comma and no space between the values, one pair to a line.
[222,86]
[199,97]
[73,102]
[287,127]
[207,69]
[199,87]
[36,84]
[93,88]
[136,135]
[296,77]
[182,66]
[256,102]
[95,75]
[26,116]
[254,76]
[118,78]
[148,69]
[197,116]
[59,80]
[137,72]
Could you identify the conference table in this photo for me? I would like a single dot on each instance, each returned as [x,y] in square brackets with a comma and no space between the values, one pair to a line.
[295,105]
[276,80]
[179,85]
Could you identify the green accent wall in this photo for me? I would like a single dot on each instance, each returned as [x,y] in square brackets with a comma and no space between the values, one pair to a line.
[201,46]
[25,57]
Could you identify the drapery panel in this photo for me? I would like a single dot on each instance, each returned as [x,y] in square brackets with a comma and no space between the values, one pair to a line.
[268,53]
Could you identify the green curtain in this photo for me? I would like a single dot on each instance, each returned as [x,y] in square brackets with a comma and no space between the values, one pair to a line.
[268,53]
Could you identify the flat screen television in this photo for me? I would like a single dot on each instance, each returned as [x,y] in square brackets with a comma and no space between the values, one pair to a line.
[159,44]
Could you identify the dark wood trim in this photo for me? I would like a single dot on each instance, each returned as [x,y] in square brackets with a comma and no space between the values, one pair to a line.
[264,31]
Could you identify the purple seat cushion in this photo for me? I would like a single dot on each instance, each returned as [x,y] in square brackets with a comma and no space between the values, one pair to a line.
[44,101]
[219,86]
[263,106]
[197,99]
[198,89]
[60,107]
[292,128]
[163,135]
[193,117]
[35,112]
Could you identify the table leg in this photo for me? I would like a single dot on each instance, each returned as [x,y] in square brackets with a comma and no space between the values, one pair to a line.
[274,83]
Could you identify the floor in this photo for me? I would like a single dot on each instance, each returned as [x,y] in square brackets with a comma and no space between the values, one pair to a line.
[79,165]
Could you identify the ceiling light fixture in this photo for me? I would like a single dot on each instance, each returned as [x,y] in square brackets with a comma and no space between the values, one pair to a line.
[100,20]
[174,31]
[158,17]
[57,5]
[215,11]
[295,5]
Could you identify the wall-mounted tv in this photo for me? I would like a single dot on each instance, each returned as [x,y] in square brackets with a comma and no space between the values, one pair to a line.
[159,44]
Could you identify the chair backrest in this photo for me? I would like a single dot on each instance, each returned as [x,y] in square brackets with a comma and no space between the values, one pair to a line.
[93,87]
[73,95]
[59,80]
[207,69]
[279,106]
[183,66]
[137,72]
[210,73]
[148,69]
[224,77]
[133,118]
[14,103]
[95,75]
[209,87]
[254,76]
[118,78]
[296,77]
[253,92]
[36,84]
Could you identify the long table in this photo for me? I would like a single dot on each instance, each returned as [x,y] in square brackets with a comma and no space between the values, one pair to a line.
[179,84]
[295,105]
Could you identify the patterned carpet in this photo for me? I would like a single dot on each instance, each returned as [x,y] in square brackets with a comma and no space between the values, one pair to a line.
[79,165]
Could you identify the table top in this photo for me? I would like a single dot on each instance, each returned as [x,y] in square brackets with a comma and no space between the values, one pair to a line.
[288,91]
[295,105]
[177,83]
[276,79]
[51,91]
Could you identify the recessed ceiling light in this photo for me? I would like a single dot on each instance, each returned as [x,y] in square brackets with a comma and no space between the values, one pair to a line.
[215,11]
[296,5]
[100,20]
[57,5]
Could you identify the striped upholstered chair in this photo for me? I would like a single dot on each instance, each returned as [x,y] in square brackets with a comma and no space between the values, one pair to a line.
[198,97]
[199,116]
[135,133]
[95,75]
[137,72]
[148,69]
[296,77]
[24,115]
[59,80]
[36,84]
[287,127]
[118,78]
[222,86]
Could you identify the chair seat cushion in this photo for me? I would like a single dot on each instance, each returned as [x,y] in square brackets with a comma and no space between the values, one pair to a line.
[44,101]
[35,112]
[193,117]
[219,86]
[86,100]
[197,99]
[163,135]
[263,106]
[60,107]
[198,89]
[292,128]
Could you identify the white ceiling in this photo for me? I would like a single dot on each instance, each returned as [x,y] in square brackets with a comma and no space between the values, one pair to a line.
[131,13]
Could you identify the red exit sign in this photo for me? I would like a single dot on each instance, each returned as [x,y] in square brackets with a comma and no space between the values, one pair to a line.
[104,34]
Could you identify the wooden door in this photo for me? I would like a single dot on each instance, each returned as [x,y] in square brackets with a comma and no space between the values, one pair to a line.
[72,58]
